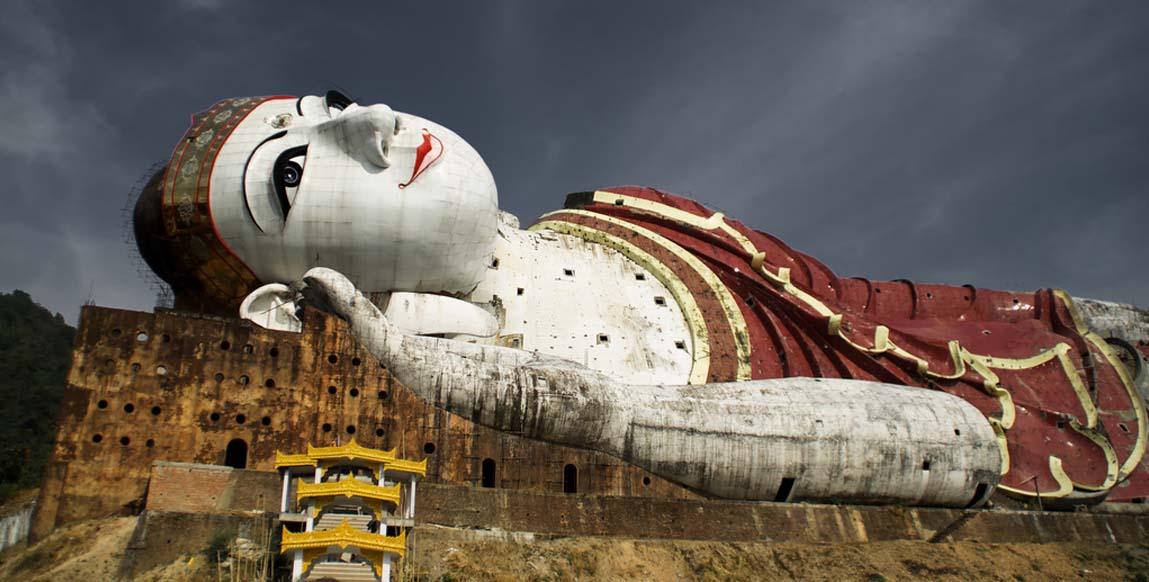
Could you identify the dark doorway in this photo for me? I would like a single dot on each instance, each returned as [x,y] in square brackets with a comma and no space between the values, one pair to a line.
[489,473]
[570,479]
[784,490]
[236,456]
[977,495]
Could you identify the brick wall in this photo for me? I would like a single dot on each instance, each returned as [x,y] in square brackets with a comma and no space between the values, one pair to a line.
[166,386]
[187,487]
[191,488]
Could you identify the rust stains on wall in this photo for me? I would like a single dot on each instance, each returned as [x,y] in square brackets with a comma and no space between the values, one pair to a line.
[168,386]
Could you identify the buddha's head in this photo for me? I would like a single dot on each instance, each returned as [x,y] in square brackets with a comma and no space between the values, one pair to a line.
[259,190]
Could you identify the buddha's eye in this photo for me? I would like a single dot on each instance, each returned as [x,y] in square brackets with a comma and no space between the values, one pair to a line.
[290,174]
[287,173]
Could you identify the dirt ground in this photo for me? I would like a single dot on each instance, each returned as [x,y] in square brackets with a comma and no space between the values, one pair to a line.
[441,555]
[91,551]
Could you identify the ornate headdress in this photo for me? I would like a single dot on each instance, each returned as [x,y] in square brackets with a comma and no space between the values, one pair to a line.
[173,223]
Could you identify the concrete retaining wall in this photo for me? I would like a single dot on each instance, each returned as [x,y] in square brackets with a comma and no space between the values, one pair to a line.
[580,515]
[638,517]
[162,537]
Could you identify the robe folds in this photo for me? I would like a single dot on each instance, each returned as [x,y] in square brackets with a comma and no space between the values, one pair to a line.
[1069,418]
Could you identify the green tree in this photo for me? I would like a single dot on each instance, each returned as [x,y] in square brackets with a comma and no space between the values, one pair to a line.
[35,352]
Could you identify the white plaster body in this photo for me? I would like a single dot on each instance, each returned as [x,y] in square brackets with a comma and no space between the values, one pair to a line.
[837,439]
[543,292]
[424,314]
[587,303]
[410,245]
[564,340]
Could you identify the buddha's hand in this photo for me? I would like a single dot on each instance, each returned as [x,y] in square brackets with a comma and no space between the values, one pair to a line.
[332,292]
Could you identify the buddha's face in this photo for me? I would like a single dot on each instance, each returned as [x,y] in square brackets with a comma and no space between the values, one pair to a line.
[394,201]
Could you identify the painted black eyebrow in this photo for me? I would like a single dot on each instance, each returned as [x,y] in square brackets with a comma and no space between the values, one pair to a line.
[276,177]
[243,180]
[299,106]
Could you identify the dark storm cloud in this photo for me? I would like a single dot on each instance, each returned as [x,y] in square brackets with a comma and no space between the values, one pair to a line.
[994,143]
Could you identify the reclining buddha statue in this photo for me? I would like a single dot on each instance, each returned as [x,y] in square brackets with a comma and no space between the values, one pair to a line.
[639,323]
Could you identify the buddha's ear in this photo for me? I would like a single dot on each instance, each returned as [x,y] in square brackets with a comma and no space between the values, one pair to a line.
[272,306]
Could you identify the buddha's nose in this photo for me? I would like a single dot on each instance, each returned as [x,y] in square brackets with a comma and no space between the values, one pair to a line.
[366,133]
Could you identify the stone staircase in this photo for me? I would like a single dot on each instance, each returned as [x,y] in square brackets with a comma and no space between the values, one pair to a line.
[332,520]
[343,572]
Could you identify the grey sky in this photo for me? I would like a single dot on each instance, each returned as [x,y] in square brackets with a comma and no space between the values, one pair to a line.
[1002,144]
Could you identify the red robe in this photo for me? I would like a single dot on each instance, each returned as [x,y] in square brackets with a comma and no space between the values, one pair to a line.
[1067,414]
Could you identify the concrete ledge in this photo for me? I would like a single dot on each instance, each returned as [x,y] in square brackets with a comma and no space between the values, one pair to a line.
[633,517]
[185,488]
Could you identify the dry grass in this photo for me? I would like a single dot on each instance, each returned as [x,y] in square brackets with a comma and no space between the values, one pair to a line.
[453,555]
[89,550]
[92,550]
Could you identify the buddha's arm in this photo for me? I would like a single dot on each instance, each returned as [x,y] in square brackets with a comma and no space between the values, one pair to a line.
[509,389]
[830,438]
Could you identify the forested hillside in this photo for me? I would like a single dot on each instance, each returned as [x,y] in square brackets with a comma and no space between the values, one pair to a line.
[35,351]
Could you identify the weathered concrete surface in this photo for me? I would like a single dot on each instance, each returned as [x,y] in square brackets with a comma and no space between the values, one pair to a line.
[787,439]
[16,520]
[321,383]
[92,550]
[583,515]
[1127,328]
[559,514]
[1115,319]
[697,519]
[161,537]
[86,479]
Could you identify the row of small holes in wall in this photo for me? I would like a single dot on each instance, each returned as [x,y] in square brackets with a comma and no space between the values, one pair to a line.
[354,392]
[266,421]
[331,358]
[160,370]
[156,410]
[604,339]
[129,407]
[570,273]
[930,295]
[225,345]
[240,419]
[334,359]
[141,336]
[249,349]
[350,429]
[245,380]
[125,441]
[220,378]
